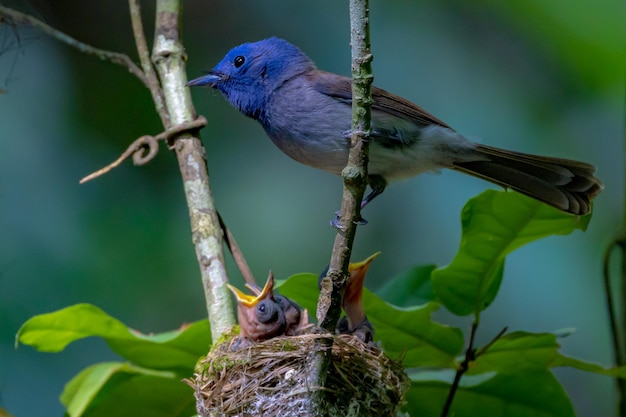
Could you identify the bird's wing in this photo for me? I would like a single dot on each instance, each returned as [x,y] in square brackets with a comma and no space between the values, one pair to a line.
[340,87]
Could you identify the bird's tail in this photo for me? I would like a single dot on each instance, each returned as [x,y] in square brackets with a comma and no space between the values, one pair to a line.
[562,183]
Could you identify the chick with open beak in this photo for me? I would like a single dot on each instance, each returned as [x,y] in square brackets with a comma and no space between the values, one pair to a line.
[355,321]
[296,318]
[260,316]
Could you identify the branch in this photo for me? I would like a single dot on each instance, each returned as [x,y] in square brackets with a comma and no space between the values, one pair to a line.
[178,116]
[471,354]
[355,173]
[152,81]
[168,56]
[618,338]
[14,17]
[237,254]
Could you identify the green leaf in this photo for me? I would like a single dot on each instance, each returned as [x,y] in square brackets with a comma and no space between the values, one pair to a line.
[522,351]
[512,378]
[52,332]
[303,288]
[562,360]
[410,334]
[495,223]
[532,393]
[176,350]
[403,332]
[121,389]
[409,288]
[518,352]
[83,388]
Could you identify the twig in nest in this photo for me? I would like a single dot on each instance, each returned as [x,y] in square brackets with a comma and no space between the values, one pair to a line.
[147,142]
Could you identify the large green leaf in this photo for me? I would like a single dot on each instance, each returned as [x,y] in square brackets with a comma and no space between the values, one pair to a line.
[494,224]
[411,334]
[409,288]
[532,393]
[521,352]
[403,332]
[512,378]
[176,350]
[302,288]
[121,389]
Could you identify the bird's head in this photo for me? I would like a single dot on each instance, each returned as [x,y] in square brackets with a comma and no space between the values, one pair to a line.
[250,72]
[260,317]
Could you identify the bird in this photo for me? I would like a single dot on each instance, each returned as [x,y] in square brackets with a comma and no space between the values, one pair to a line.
[294,315]
[355,321]
[306,112]
[296,319]
[260,316]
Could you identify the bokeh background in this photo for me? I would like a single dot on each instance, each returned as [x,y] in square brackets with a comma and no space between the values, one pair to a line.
[537,76]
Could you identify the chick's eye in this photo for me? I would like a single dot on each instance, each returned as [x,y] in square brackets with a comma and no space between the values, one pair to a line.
[262,308]
[239,60]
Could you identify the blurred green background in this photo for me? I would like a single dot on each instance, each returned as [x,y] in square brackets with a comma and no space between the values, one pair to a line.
[537,76]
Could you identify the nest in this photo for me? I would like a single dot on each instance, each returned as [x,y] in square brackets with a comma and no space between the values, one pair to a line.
[279,377]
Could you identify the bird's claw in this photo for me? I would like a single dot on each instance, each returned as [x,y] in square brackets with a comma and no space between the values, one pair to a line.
[361,221]
[335,223]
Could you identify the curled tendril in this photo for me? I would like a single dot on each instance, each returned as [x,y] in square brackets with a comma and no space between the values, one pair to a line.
[146,147]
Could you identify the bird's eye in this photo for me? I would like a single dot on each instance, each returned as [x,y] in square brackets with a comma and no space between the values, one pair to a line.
[262,308]
[239,60]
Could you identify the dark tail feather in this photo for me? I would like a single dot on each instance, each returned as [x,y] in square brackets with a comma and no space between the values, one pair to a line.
[562,183]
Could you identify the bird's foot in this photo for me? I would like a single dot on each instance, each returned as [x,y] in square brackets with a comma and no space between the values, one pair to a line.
[337,224]
[363,331]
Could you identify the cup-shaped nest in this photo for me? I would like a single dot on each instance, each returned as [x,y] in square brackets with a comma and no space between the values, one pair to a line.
[284,376]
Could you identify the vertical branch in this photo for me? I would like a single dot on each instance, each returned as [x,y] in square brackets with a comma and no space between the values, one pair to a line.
[616,308]
[168,56]
[621,356]
[146,65]
[355,173]
[621,383]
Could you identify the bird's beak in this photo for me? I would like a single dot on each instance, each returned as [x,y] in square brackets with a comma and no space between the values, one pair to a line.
[354,287]
[254,288]
[252,300]
[210,79]
[360,268]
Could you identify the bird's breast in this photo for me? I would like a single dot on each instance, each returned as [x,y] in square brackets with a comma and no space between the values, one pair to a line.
[309,127]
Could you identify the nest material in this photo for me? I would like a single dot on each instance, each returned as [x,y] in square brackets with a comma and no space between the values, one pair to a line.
[273,378]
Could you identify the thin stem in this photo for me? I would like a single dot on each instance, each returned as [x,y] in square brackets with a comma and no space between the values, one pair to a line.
[355,173]
[471,354]
[619,344]
[237,254]
[146,64]
[11,16]
[606,275]
[621,383]
[485,348]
